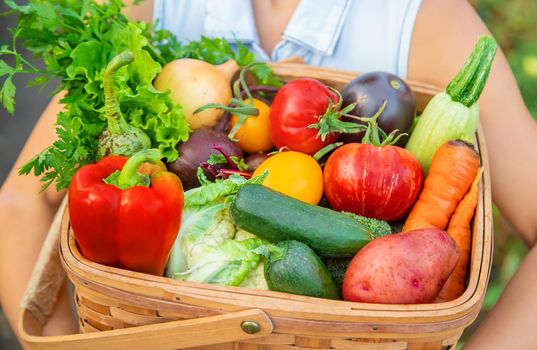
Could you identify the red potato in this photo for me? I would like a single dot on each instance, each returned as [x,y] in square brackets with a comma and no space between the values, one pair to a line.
[403,268]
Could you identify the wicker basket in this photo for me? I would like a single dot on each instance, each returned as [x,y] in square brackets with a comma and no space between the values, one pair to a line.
[121,309]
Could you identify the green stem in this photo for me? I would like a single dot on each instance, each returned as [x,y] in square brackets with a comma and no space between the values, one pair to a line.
[242,110]
[330,122]
[234,110]
[242,79]
[155,54]
[468,84]
[326,149]
[374,135]
[111,103]
[129,175]
[19,57]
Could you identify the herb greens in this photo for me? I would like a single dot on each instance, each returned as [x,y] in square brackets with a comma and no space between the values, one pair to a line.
[76,39]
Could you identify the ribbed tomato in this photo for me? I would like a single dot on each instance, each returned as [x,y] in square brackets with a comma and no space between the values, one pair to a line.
[377,182]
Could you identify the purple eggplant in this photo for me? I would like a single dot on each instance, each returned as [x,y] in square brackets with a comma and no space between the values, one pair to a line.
[369,91]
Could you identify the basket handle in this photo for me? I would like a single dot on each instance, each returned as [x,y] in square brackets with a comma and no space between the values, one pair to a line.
[47,278]
[225,328]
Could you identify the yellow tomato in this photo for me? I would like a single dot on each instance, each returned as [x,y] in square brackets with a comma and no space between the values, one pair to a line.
[295,174]
[254,133]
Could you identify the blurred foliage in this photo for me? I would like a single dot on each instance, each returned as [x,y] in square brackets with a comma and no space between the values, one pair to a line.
[509,250]
[513,24]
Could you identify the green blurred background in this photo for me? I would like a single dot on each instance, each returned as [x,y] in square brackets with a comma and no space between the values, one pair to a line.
[513,23]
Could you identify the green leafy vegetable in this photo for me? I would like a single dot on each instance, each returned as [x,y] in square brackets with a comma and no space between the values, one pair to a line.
[215,159]
[7,92]
[222,188]
[228,263]
[119,138]
[76,40]
[205,249]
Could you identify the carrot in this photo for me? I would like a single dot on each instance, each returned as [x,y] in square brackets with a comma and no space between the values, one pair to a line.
[459,229]
[453,168]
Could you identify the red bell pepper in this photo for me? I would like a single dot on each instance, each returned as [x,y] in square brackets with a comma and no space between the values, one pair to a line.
[128,219]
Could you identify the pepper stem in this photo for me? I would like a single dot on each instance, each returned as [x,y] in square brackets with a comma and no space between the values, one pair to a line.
[469,83]
[129,175]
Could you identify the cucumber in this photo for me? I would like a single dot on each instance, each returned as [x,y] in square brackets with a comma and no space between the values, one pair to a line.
[293,267]
[275,217]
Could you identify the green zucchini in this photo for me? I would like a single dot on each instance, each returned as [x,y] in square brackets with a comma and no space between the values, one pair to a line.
[454,113]
[293,267]
[275,217]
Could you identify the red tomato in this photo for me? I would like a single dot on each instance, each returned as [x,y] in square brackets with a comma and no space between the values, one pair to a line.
[377,182]
[297,105]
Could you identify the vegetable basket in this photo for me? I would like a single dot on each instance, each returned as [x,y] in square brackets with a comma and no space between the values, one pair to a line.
[120,309]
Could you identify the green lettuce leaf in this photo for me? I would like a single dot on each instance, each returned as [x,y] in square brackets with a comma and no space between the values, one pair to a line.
[228,263]
[76,40]
[206,221]
[200,196]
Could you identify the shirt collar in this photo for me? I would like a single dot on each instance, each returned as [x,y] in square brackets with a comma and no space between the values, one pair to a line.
[232,20]
[317,24]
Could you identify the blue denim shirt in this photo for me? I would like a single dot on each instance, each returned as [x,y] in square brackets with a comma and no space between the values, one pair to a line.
[358,35]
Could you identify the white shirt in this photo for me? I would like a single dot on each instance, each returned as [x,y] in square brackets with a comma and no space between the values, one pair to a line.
[358,35]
